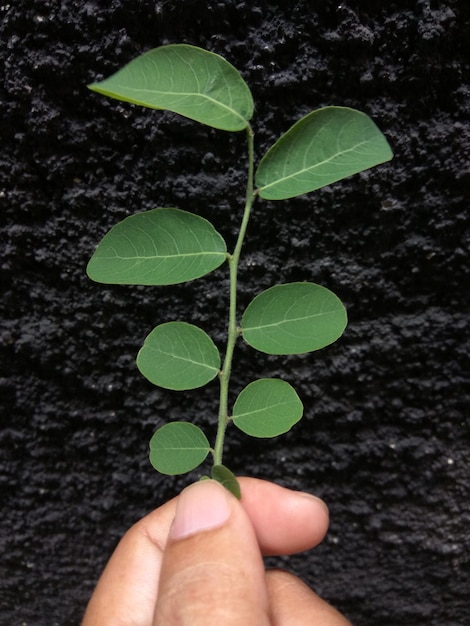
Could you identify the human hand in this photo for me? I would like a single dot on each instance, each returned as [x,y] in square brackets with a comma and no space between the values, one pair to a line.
[197,560]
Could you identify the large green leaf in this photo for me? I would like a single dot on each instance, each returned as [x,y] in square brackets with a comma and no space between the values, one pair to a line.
[178,356]
[187,80]
[178,447]
[158,247]
[293,319]
[323,147]
[267,408]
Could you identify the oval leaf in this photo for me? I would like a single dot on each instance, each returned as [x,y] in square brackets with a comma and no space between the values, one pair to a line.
[323,147]
[178,356]
[157,247]
[225,477]
[178,447]
[193,82]
[293,319]
[267,408]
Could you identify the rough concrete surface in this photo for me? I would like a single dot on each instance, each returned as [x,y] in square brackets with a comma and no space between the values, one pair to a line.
[385,438]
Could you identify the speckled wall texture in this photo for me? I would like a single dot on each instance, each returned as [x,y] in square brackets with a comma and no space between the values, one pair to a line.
[385,439]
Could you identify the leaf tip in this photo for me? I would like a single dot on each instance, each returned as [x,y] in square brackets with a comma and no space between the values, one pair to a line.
[94,87]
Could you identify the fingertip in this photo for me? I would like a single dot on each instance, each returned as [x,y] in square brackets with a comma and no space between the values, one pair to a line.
[315,507]
[301,519]
[202,506]
[318,502]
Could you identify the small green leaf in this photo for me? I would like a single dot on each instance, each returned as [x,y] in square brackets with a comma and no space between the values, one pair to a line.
[267,408]
[178,447]
[225,477]
[157,247]
[293,319]
[193,82]
[178,356]
[323,147]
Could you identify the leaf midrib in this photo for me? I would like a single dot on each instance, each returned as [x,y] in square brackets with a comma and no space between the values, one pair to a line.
[185,94]
[182,358]
[313,167]
[155,256]
[291,319]
[263,410]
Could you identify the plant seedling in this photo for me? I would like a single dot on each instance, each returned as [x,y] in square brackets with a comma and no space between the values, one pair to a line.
[167,246]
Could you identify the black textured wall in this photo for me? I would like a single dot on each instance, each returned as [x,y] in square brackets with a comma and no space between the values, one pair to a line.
[385,439]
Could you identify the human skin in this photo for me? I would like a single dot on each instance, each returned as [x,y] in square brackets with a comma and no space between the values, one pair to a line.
[197,560]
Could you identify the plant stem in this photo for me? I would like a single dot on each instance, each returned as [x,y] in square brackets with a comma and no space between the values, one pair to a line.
[232,321]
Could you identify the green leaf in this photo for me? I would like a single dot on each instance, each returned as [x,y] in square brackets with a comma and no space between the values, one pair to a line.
[193,82]
[178,447]
[323,147]
[178,356]
[267,408]
[157,247]
[225,477]
[293,319]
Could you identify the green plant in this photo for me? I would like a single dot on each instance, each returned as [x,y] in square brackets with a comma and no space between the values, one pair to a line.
[167,246]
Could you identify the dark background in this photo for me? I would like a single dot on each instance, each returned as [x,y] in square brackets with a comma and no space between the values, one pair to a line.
[385,438]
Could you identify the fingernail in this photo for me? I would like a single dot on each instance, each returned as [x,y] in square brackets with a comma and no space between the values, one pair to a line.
[312,498]
[202,506]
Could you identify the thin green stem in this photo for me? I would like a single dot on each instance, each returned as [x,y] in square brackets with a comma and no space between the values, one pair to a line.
[232,321]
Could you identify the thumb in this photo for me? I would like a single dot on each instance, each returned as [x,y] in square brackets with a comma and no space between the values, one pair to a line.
[212,570]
